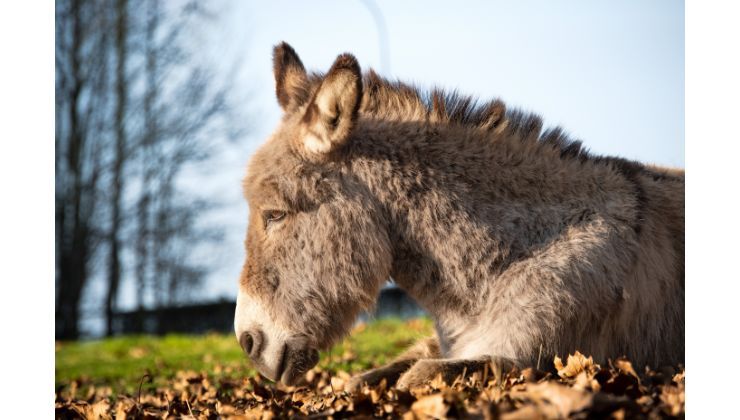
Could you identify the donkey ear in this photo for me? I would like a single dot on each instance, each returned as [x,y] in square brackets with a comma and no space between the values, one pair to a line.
[291,82]
[332,112]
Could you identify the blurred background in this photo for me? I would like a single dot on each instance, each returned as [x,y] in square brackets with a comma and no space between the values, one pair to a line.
[159,106]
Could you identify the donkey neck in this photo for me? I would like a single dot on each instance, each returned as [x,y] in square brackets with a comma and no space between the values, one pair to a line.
[463,204]
[440,202]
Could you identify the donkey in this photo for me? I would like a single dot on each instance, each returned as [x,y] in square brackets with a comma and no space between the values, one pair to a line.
[518,242]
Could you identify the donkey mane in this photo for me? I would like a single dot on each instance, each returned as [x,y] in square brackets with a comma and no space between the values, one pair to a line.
[396,100]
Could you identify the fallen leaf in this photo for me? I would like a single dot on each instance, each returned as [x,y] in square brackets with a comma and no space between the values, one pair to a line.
[430,406]
[576,364]
[563,399]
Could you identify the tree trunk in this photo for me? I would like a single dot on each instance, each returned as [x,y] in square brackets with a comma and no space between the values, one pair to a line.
[73,240]
[148,158]
[114,262]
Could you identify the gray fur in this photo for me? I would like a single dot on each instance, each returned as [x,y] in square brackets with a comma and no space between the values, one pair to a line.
[514,240]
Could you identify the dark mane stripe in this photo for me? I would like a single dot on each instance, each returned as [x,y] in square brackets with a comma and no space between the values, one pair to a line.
[384,98]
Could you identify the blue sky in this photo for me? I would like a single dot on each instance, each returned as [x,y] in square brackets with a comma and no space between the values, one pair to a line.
[610,73]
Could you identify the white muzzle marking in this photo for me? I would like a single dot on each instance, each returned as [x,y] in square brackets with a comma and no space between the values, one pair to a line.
[251,316]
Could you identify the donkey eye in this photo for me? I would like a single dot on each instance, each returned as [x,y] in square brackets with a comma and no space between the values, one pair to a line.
[272,216]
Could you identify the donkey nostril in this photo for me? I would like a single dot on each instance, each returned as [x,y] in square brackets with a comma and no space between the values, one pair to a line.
[247,342]
[252,342]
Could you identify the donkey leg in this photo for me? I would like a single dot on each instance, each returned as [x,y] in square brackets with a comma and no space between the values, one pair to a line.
[423,349]
[426,370]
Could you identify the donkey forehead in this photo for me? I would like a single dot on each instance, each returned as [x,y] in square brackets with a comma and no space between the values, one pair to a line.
[263,178]
[273,171]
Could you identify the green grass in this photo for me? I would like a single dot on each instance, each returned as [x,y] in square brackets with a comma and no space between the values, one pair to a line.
[122,362]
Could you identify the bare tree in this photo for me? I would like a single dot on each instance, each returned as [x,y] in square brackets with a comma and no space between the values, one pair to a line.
[119,161]
[81,97]
[147,165]
[136,109]
[183,109]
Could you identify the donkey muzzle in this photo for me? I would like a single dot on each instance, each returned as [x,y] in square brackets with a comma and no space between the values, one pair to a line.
[286,362]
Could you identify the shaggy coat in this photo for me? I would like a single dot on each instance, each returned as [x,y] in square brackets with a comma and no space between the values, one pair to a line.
[519,243]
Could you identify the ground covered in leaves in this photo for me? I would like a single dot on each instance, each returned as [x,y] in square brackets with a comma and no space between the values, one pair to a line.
[147,377]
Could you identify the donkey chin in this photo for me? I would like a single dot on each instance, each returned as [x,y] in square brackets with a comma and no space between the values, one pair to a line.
[277,353]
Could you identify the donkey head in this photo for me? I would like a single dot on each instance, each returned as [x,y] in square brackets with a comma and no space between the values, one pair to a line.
[317,242]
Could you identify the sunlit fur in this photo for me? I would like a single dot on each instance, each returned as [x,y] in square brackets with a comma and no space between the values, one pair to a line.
[518,242]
